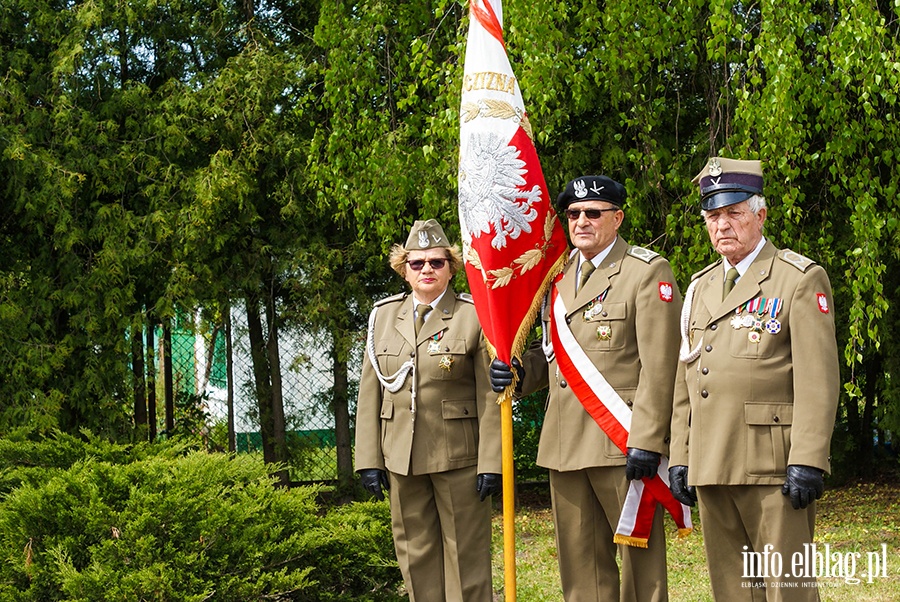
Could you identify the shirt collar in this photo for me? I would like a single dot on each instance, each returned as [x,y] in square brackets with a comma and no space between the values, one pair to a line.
[599,257]
[745,263]
[433,304]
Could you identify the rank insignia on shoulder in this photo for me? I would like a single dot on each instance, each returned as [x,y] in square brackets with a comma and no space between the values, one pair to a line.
[465,297]
[391,299]
[795,259]
[643,254]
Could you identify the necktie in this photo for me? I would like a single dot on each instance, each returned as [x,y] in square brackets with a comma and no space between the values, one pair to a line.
[730,277]
[422,310]
[587,268]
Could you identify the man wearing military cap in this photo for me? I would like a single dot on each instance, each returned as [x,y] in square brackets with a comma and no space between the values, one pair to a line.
[428,425]
[756,396]
[620,305]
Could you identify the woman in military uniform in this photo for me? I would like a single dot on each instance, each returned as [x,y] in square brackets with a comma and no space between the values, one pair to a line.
[428,425]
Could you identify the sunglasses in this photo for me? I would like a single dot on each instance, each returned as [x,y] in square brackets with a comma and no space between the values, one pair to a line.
[418,264]
[574,214]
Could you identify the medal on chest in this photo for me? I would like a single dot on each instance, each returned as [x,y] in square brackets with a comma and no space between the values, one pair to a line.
[595,308]
[434,345]
[761,316]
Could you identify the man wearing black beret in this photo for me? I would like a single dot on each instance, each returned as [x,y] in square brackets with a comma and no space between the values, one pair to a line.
[615,307]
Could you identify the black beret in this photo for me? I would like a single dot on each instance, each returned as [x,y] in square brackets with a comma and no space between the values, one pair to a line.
[591,188]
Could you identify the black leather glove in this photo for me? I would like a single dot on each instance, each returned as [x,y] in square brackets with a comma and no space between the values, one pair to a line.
[640,463]
[804,484]
[373,480]
[489,483]
[678,483]
[502,375]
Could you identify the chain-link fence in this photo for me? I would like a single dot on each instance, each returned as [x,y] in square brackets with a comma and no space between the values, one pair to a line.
[200,381]
[199,361]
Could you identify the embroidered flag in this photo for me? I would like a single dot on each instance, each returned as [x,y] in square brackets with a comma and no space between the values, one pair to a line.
[513,243]
[613,415]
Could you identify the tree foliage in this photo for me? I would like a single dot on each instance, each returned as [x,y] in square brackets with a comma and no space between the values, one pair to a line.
[199,153]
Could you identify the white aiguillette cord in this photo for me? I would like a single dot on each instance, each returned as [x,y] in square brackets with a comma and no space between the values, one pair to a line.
[685,354]
[395,381]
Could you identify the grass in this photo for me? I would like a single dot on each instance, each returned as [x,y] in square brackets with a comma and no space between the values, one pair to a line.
[858,518]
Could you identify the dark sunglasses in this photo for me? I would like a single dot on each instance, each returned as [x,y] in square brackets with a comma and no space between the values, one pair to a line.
[574,214]
[418,264]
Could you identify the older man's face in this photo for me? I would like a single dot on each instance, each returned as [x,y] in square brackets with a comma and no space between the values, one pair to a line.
[735,230]
[592,235]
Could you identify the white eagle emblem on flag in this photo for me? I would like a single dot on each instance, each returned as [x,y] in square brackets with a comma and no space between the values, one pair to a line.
[489,177]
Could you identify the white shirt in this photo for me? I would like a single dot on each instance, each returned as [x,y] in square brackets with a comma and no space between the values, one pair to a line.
[744,264]
[596,259]
[433,304]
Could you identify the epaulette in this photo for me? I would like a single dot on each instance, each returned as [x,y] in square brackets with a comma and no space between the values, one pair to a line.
[706,269]
[465,297]
[795,259]
[391,299]
[645,255]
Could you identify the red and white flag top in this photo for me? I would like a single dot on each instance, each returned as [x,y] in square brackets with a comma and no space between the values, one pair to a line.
[513,244]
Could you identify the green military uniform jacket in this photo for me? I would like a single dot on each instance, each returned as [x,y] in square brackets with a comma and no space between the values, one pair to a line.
[751,404]
[637,355]
[456,422]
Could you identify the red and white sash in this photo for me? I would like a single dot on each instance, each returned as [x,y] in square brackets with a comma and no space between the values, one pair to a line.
[613,415]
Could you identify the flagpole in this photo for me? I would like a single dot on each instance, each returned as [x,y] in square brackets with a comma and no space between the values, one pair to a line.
[509,498]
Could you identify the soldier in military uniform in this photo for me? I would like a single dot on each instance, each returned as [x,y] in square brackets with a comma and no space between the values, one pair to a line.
[428,425]
[757,394]
[622,307]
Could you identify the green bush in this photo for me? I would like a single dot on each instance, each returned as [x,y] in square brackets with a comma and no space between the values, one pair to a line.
[528,417]
[182,525]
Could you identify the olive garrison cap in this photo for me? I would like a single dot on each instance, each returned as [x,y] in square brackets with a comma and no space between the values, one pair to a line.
[426,234]
[725,182]
[591,188]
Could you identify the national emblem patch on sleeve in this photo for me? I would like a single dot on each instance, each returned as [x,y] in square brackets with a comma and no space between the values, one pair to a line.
[665,291]
[823,302]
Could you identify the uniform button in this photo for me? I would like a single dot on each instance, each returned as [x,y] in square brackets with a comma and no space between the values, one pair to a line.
[563,384]
[708,348]
[714,327]
[666,440]
[776,419]
[465,412]
[412,354]
[568,320]
[447,349]
[604,314]
[629,403]
[705,371]
[704,393]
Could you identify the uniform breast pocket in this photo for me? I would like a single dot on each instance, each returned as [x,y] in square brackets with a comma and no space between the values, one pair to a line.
[606,328]
[388,352]
[768,437]
[448,359]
